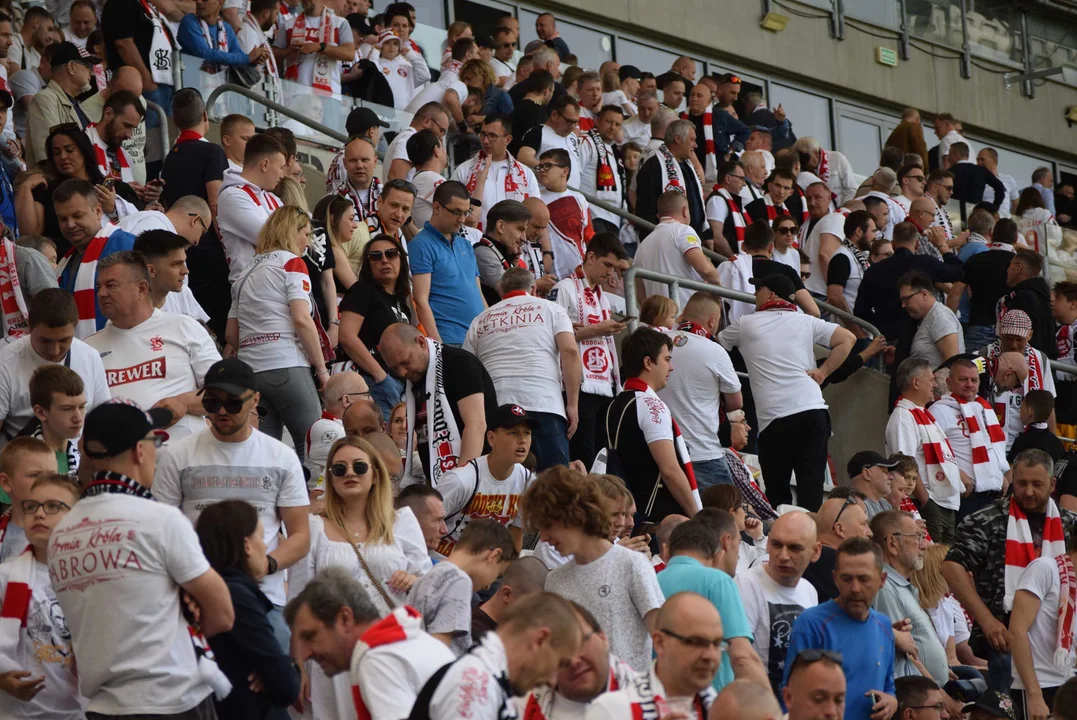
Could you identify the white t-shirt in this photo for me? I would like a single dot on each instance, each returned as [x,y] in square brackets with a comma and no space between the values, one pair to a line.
[704,371]
[398,150]
[18,362]
[619,589]
[635,130]
[493,191]
[435,92]
[778,348]
[261,298]
[771,610]
[1041,579]
[516,341]
[181,301]
[341,34]
[164,356]
[569,143]
[788,257]
[200,470]
[832,224]
[44,650]
[481,498]
[570,216]
[663,251]
[390,676]
[117,563]
[425,182]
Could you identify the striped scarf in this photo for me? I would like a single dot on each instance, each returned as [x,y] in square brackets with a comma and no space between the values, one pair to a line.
[907,505]
[15,608]
[710,160]
[672,179]
[606,171]
[541,700]
[118,170]
[683,458]
[85,278]
[321,79]
[401,624]
[71,450]
[1067,604]
[1064,341]
[857,252]
[734,211]
[362,212]
[1032,357]
[12,301]
[1021,550]
[222,41]
[984,432]
[647,704]
[940,463]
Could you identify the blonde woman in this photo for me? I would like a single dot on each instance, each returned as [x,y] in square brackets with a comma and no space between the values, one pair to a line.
[272,324]
[477,74]
[943,609]
[383,549]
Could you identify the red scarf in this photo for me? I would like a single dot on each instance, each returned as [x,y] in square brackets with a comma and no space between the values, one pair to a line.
[710,164]
[683,458]
[187,136]
[12,303]
[735,213]
[15,608]
[907,505]
[605,177]
[1064,341]
[321,79]
[778,304]
[222,41]
[1067,603]
[401,624]
[1021,550]
[694,328]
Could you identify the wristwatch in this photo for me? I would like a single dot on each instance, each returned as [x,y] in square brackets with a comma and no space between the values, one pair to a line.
[271,564]
[321,47]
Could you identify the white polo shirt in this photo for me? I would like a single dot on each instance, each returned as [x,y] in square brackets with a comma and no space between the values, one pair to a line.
[663,251]
[832,224]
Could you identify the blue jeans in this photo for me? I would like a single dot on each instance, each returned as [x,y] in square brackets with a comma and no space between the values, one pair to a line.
[386,394]
[999,671]
[163,97]
[712,472]
[280,629]
[978,336]
[549,441]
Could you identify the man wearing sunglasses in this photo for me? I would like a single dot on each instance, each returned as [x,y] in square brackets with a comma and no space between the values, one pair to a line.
[230,460]
[502,62]
[911,181]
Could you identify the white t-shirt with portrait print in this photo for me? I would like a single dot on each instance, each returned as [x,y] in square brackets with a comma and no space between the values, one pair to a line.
[469,496]
[261,303]
[200,470]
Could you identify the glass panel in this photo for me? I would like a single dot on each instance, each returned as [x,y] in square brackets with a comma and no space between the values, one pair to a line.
[432,41]
[935,20]
[647,58]
[1053,44]
[430,12]
[860,141]
[995,31]
[884,13]
[483,16]
[590,48]
[810,113]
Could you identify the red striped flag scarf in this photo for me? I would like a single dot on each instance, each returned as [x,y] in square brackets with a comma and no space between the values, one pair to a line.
[401,624]
[940,463]
[122,169]
[15,608]
[541,700]
[683,458]
[984,431]
[710,164]
[1067,603]
[1020,550]
[735,213]
[85,276]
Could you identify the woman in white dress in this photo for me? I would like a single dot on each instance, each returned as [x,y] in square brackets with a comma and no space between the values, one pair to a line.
[358,530]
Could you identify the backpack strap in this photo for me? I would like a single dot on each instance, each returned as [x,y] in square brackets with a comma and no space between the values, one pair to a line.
[612,443]
[463,511]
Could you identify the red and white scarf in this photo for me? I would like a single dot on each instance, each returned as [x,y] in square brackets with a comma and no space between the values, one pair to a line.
[646,701]
[515,180]
[907,505]
[599,353]
[734,211]
[710,161]
[15,608]
[1067,605]
[683,458]
[1021,550]
[606,171]
[771,209]
[541,701]
[587,120]
[403,623]
[1032,357]
[695,328]
[321,80]
[672,178]
[162,46]
[362,210]
[1064,340]
[804,216]
[222,41]
[12,301]
[85,277]
[984,432]
[823,171]
[940,463]
[122,169]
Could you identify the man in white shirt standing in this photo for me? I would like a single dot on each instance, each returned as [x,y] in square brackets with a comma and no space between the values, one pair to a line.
[601,172]
[150,357]
[494,174]
[674,247]
[988,160]
[704,378]
[528,346]
[777,344]
[431,116]
[246,200]
[52,316]
[312,45]
[638,127]
[230,460]
[558,132]
[913,431]
[830,166]
[388,659]
[118,561]
[945,126]
[821,236]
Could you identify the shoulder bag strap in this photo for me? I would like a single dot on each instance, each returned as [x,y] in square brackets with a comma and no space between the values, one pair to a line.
[366,569]
[463,511]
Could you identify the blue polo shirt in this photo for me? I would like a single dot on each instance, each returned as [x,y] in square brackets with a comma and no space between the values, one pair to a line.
[686,574]
[455,299]
[867,651]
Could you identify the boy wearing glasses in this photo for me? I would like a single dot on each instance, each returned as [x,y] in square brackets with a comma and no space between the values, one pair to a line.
[22,461]
[570,216]
[37,664]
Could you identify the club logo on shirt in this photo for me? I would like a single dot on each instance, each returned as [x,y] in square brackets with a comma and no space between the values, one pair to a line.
[306,285]
[401,72]
[157,344]
[150,370]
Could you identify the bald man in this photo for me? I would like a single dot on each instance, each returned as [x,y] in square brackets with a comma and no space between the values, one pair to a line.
[341,390]
[838,519]
[685,67]
[538,243]
[923,213]
[681,670]
[774,593]
[524,576]
[745,700]
[661,535]
[363,418]
[816,689]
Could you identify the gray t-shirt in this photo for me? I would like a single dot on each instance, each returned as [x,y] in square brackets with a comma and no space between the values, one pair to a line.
[939,322]
[490,267]
[877,506]
[619,589]
[443,598]
[35,271]
[14,541]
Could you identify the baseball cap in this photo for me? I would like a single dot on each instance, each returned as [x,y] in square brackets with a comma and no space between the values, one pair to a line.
[362,119]
[780,285]
[117,426]
[629,71]
[66,52]
[5,95]
[1015,322]
[993,703]
[866,458]
[510,416]
[231,375]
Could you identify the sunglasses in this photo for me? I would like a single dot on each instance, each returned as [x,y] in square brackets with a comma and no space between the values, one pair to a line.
[232,405]
[51,507]
[807,656]
[788,230]
[377,255]
[805,275]
[358,468]
[851,500]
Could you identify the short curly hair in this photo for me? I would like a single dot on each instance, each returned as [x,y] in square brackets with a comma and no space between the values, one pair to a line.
[567,497]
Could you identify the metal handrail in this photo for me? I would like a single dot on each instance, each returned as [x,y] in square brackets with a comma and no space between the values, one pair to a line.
[675,283]
[282,109]
[162,117]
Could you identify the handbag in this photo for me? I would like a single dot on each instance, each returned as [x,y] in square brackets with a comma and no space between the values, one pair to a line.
[366,568]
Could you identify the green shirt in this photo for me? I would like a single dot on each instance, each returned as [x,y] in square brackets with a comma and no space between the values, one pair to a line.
[61,462]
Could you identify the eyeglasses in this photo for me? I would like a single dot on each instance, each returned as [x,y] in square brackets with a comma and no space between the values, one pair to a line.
[807,656]
[947,188]
[231,406]
[340,469]
[454,213]
[787,230]
[399,184]
[570,121]
[205,228]
[51,507]
[699,643]
[734,175]
[851,500]
[543,167]
[360,394]
[906,298]
[377,255]
[490,136]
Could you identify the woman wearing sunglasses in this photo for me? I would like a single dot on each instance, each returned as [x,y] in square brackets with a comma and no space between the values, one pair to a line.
[785,234]
[380,297]
[383,549]
[273,325]
[234,544]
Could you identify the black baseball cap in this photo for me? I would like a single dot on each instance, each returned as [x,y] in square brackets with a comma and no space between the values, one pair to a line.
[232,375]
[116,426]
[362,119]
[780,285]
[66,52]
[510,416]
[864,459]
[629,71]
[993,703]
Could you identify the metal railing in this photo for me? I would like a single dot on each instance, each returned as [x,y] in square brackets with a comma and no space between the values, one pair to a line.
[275,106]
[162,126]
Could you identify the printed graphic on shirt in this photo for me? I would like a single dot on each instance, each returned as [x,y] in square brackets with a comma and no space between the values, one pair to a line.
[782,618]
[94,551]
[150,370]
[46,628]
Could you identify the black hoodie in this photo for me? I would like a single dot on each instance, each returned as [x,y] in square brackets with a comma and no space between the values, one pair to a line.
[1034,297]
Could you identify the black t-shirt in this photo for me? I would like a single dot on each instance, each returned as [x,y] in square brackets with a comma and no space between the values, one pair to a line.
[985,274]
[188,167]
[463,375]
[122,19]
[526,115]
[1066,474]
[821,574]
[838,270]
[533,139]
[317,262]
[379,310]
[761,267]
[1039,439]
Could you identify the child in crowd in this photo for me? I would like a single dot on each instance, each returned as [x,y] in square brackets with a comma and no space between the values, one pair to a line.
[905,476]
[37,663]
[58,397]
[443,595]
[570,215]
[22,461]
[1036,409]
[236,130]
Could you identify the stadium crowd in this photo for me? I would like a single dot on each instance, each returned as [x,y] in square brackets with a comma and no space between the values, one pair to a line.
[399,455]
